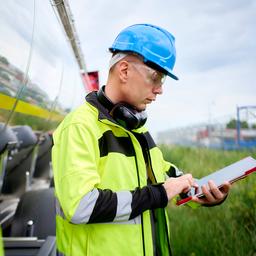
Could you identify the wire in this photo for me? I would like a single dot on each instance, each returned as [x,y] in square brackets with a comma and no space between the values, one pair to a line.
[252,114]
[25,78]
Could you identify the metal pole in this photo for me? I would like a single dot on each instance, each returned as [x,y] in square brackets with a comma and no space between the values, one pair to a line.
[238,127]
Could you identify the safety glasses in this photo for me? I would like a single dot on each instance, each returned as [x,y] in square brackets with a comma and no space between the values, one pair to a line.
[151,76]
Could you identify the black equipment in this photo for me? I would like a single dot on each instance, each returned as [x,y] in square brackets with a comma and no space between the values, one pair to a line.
[123,113]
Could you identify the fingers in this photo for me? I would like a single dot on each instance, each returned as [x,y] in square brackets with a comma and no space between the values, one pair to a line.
[213,194]
[225,188]
[207,194]
[214,190]
[187,183]
[190,180]
[199,200]
[182,184]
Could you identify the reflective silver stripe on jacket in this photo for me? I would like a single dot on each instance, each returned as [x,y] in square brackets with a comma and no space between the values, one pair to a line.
[87,204]
[124,206]
[85,207]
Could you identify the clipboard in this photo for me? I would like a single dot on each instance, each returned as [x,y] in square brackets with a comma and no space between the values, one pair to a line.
[231,173]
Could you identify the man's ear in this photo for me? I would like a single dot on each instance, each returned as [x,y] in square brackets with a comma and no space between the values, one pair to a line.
[123,71]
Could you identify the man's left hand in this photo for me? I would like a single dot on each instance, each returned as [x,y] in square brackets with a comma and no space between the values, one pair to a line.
[212,194]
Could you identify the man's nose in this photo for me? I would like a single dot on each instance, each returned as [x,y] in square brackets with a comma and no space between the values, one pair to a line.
[158,89]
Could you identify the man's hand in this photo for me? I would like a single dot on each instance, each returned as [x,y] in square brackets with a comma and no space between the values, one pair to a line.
[182,184]
[212,194]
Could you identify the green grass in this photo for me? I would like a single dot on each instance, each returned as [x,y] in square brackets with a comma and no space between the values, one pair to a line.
[228,229]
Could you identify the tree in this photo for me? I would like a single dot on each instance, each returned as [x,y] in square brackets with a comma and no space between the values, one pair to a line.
[4,60]
[5,76]
[233,122]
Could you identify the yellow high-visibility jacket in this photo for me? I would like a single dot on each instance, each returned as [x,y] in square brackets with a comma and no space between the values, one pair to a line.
[1,244]
[104,202]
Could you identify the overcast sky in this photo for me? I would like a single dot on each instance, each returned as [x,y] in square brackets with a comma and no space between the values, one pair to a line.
[216,52]
[52,64]
[215,41]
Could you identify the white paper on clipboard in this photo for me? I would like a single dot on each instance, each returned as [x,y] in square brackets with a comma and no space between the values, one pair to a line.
[231,173]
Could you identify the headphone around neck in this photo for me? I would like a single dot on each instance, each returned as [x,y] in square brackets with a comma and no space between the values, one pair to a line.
[123,113]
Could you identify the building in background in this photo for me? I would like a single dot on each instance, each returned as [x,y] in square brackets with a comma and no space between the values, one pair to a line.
[219,135]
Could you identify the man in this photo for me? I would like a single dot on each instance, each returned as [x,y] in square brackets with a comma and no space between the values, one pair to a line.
[112,183]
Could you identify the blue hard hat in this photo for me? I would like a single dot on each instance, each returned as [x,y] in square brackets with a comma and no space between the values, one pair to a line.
[154,44]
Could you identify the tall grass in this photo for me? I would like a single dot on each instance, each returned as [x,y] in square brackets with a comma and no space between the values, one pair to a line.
[227,229]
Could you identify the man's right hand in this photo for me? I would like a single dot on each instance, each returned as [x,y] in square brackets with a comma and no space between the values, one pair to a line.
[182,184]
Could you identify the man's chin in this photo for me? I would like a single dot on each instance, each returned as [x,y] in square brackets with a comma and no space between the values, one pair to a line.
[141,108]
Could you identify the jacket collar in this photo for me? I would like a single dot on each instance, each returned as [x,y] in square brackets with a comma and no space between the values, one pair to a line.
[92,99]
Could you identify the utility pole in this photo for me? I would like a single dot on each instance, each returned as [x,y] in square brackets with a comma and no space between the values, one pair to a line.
[67,20]
[238,123]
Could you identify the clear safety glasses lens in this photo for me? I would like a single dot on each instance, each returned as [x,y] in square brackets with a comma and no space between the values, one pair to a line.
[157,77]
[153,76]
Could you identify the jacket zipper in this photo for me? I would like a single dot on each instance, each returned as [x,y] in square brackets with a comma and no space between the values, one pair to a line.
[138,176]
[166,228]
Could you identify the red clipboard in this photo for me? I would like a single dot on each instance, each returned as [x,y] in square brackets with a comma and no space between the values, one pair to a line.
[231,173]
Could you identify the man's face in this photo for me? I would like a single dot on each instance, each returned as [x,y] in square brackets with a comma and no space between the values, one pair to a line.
[143,84]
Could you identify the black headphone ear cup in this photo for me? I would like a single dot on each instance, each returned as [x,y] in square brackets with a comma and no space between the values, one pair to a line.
[122,113]
[128,117]
[124,116]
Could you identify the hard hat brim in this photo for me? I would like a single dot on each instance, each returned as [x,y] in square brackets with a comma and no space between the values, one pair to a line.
[172,76]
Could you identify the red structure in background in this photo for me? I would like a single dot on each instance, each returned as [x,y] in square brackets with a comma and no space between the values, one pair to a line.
[94,79]
[91,81]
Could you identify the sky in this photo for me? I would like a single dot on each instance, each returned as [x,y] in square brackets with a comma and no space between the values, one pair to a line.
[215,43]
[52,65]
[216,53]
